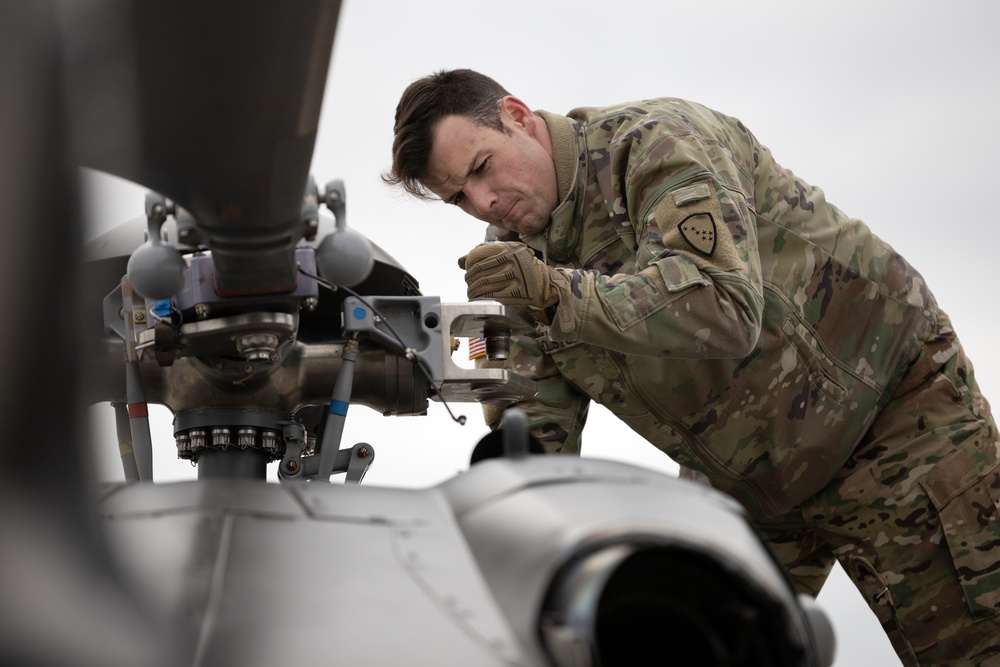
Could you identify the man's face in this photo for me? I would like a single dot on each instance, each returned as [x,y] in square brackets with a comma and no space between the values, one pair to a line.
[507,180]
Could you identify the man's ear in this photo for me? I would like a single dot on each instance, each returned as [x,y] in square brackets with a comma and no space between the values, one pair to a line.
[516,112]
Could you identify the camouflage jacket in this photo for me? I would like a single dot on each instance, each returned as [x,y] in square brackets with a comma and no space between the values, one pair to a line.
[720,306]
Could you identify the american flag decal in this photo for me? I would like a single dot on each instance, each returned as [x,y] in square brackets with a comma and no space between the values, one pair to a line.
[477,347]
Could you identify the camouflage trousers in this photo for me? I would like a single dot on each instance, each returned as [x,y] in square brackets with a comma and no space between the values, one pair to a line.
[914,517]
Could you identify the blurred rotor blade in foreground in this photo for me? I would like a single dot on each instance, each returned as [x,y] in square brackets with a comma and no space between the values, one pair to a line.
[63,603]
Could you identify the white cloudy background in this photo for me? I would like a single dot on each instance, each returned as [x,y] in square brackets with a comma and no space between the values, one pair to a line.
[890,106]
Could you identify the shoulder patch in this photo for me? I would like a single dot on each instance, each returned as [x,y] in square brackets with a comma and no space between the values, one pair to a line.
[698,229]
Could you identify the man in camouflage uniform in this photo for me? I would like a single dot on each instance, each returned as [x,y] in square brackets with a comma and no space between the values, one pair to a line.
[726,312]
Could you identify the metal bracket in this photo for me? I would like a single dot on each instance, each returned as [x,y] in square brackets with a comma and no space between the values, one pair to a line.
[422,327]
[409,325]
[486,319]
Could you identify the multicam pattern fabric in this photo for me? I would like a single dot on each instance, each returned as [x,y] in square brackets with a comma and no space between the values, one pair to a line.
[730,315]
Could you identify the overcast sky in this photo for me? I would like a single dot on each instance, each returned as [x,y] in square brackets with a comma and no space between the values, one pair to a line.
[890,106]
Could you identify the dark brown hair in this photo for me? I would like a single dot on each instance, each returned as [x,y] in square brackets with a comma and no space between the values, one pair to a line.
[461,92]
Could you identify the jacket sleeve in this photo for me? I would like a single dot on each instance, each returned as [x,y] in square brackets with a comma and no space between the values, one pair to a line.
[696,289]
[557,412]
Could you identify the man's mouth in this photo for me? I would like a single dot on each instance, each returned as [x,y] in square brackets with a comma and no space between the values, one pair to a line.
[505,218]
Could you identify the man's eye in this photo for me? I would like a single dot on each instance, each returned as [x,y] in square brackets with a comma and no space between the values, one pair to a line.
[458,199]
[481,168]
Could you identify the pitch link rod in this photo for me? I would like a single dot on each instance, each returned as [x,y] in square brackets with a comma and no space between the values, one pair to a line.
[341,400]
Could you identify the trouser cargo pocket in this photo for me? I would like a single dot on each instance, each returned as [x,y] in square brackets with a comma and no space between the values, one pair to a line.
[967,501]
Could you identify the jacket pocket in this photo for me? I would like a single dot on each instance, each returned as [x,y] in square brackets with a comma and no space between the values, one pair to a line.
[821,368]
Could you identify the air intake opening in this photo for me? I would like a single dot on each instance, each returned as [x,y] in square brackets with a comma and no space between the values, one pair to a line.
[623,604]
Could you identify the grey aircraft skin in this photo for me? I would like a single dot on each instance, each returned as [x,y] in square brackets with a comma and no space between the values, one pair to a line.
[218,302]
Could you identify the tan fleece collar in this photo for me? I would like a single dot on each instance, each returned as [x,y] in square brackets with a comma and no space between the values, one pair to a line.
[557,239]
[564,152]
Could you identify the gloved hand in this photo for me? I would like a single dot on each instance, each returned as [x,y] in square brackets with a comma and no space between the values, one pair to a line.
[509,272]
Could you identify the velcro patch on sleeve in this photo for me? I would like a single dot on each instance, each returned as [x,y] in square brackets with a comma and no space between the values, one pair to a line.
[691,221]
[691,193]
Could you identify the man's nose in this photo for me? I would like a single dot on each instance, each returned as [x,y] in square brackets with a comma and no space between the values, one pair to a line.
[481,198]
